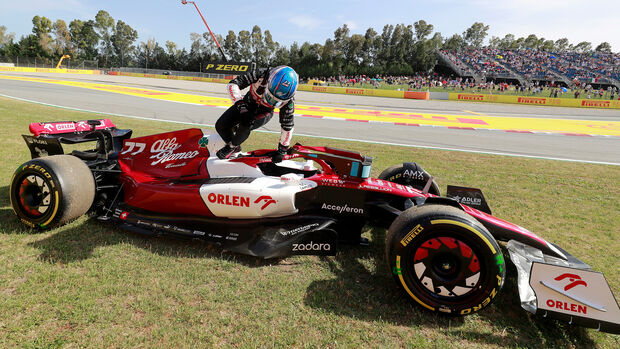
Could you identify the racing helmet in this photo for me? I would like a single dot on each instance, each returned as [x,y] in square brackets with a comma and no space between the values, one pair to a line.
[281,86]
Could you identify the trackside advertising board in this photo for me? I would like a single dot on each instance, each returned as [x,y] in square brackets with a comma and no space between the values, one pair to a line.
[228,68]
[365,92]
[557,102]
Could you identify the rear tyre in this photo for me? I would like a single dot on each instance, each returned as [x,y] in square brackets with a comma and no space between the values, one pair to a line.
[445,260]
[410,174]
[51,191]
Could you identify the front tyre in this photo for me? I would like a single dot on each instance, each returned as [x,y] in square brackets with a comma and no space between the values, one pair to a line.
[410,174]
[51,191]
[445,260]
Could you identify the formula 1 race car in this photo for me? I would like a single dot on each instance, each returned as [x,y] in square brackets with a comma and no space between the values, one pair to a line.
[443,251]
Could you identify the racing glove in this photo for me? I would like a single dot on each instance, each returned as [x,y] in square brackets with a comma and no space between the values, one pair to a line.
[241,106]
[279,154]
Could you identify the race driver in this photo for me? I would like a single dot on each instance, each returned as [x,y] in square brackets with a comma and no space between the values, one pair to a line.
[269,89]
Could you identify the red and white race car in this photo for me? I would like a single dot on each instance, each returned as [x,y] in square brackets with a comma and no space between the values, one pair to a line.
[443,251]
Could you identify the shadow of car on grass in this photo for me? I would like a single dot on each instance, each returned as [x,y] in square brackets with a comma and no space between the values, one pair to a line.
[363,288]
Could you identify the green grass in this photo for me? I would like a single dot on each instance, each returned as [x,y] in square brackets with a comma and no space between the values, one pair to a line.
[90,284]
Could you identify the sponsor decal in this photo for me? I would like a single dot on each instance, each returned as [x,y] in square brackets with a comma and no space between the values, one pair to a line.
[575,308]
[311,246]
[468,200]
[124,215]
[267,199]
[354,91]
[49,127]
[470,97]
[532,100]
[574,279]
[65,127]
[164,151]
[485,302]
[229,200]
[600,104]
[397,271]
[412,233]
[333,182]
[82,124]
[176,165]
[319,89]
[203,142]
[299,229]
[413,174]
[216,67]
[342,209]
[131,145]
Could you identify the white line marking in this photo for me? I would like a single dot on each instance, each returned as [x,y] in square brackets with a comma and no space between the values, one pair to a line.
[324,137]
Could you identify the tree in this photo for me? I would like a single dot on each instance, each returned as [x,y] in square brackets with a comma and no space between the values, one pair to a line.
[231,46]
[5,39]
[454,43]
[507,42]
[270,45]
[104,24]
[122,41]
[259,51]
[146,52]
[62,38]
[84,39]
[583,47]
[561,45]
[531,42]
[604,47]
[42,29]
[422,30]
[245,45]
[474,35]
[495,42]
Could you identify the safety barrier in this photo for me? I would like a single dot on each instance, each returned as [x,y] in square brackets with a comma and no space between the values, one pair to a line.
[365,92]
[172,77]
[556,102]
[50,70]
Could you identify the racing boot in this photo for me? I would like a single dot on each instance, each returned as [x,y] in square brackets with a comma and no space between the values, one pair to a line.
[227,151]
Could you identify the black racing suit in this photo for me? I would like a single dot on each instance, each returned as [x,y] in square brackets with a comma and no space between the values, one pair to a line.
[251,111]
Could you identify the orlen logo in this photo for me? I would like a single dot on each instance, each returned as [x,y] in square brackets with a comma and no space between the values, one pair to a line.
[239,201]
[267,199]
[532,100]
[575,280]
[601,104]
[471,97]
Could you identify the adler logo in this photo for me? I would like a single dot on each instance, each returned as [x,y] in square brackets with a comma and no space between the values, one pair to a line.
[311,246]
[600,104]
[532,100]
[471,97]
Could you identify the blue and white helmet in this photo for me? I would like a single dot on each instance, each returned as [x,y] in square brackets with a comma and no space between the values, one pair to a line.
[281,86]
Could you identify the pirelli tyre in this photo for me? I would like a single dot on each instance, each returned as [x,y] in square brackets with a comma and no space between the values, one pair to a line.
[411,174]
[445,260]
[50,191]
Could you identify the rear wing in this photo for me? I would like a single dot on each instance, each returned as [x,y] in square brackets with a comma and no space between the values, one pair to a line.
[48,137]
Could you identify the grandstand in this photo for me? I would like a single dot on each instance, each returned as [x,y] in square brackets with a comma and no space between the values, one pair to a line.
[529,66]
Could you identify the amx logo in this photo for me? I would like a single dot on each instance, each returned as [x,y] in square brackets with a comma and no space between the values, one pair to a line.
[575,280]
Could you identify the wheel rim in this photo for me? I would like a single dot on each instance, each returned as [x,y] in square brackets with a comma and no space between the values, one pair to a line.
[34,196]
[446,267]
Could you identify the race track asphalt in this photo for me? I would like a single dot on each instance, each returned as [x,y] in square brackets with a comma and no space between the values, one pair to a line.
[558,145]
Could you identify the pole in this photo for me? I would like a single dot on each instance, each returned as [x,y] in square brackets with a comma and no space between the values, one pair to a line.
[184,2]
